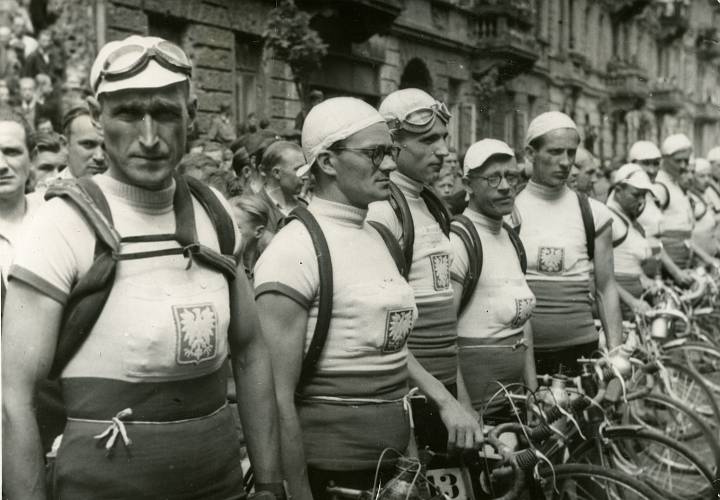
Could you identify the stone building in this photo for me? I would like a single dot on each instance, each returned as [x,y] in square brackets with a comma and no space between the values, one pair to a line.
[624,69]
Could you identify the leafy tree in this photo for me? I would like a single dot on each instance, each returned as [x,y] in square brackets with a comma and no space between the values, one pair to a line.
[293,41]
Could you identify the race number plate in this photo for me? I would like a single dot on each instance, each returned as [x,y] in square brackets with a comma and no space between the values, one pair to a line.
[451,482]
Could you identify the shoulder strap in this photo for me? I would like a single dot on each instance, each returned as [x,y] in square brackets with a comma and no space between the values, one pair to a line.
[437,209]
[588,223]
[88,297]
[465,230]
[619,241]
[696,201]
[87,197]
[223,223]
[666,204]
[402,212]
[325,292]
[393,246]
[517,244]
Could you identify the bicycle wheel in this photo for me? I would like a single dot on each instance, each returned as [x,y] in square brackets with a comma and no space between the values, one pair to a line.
[666,465]
[672,418]
[702,358]
[586,482]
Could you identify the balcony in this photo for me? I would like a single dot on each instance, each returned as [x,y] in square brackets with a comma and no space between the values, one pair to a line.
[513,47]
[519,11]
[707,112]
[626,81]
[708,44]
[626,9]
[674,18]
[667,96]
[353,20]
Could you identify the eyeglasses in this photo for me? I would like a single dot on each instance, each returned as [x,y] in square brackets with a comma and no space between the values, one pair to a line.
[129,60]
[649,163]
[421,120]
[494,180]
[376,154]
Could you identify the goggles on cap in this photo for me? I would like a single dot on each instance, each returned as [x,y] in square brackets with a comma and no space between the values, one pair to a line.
[129,60]
[422,119]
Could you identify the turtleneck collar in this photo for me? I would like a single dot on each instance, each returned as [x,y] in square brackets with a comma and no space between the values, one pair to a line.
[340,212]
[145,200]
[546,192]
[410,187]
[482,220]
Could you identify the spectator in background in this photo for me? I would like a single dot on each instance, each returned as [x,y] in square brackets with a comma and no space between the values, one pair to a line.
[444,183]
[17,146]
[583,173]
[316,97]
[222,129]
[47,101]
[224,181]
[50,159]
[197,165]
[85,152]
[44,125]
[41,60]
[21,42]
[4,95]
[28,100]
[281,173]
[214,150]
[252,214]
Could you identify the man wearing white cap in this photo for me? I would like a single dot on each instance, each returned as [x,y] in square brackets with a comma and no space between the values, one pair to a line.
[677,214]
[145,387]
[713,190]
[648,156]
[704,235]
[420,222]
[568,241]
[631,249]
[493,299]
[341,412]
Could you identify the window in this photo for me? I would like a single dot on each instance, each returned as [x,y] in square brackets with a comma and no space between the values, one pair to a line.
[248,55]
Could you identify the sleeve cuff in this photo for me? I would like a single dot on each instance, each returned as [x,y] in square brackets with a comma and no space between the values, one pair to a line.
[602,228]
[41,285]
[283,289]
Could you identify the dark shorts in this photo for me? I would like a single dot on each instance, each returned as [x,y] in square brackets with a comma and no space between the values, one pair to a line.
[564,360]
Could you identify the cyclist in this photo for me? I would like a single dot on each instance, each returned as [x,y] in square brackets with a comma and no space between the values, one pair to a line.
[705,231]
[337,417]
[494,334]
[631,248]
[567,236]
[145,390]
[418,124]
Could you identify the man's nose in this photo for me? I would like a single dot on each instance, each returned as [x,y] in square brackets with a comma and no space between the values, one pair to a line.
[149,138]
[387,164]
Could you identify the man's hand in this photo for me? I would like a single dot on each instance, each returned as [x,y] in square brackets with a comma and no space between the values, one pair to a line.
[683,278]
[463,428]
[641,307]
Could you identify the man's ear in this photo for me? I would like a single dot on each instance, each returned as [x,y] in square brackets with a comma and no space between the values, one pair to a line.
[466,185]
[95,111]
[275,173]
[259,230]
[192,105]
[530,153]
[326,164]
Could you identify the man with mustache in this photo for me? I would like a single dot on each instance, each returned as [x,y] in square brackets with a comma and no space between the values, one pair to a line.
[145,388]
[566,236]
[420,222]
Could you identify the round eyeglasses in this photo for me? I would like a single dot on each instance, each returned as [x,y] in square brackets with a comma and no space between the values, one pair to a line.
[376,154]
[494,180]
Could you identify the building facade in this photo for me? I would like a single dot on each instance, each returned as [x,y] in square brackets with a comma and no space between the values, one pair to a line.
[623,69]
